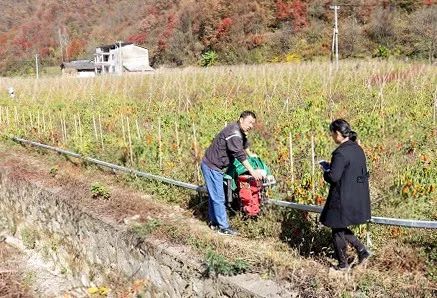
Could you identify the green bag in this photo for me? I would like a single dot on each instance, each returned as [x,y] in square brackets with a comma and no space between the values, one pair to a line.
[237,169]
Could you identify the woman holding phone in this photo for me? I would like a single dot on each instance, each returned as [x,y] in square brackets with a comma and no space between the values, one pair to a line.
[348,201]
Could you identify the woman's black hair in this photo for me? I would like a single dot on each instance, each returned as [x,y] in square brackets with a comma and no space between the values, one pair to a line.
[343,127]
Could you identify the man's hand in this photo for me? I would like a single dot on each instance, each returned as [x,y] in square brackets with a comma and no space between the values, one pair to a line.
[257,175]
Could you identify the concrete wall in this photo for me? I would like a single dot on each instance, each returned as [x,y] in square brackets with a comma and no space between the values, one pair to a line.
[89,250]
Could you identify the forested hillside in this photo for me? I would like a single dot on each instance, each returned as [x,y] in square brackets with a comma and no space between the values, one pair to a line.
[179,32]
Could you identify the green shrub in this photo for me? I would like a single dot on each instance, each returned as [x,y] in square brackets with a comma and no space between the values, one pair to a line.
[208,58]
[218,264]
[142,230]
[382,52]
[100,191]
[29,237]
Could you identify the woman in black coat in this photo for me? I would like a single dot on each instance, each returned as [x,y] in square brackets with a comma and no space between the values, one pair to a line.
[348,201]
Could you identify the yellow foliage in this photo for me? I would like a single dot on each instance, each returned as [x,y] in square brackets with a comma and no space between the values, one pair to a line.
[288,58]
[292,57]
[93,290]
[102,291]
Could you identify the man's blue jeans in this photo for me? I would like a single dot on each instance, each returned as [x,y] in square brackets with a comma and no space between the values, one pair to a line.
[216,196]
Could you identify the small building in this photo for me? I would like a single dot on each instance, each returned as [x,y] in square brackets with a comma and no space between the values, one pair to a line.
[121,57]
[79,68]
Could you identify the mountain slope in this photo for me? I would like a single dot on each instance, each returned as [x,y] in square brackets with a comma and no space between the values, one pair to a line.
[177,32]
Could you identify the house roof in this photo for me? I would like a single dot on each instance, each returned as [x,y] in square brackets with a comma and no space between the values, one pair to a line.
[79,65]
[114,45]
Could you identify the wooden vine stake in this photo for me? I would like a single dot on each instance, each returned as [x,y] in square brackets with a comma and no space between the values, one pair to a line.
[101,132]
[38,123]
[7,116]
[177,138]
[62,129]
[138,129]
[43,123]
[381,104]
[159,143]
[95,129]
[434,117]
[31,120]
[80,127]
[51,128]
[75,126]
[123,130]
[196,152]
[16,118]
[65,129]
[290,157]
[131,153]
[313,167]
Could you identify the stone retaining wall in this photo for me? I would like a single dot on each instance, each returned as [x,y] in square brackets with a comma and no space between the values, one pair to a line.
[89,251]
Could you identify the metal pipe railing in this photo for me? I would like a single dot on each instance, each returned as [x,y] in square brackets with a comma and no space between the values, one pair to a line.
[410,223]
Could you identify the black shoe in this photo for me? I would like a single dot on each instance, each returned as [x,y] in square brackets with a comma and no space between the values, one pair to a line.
[213,227]
[342,267]
[227,232]
[363,256]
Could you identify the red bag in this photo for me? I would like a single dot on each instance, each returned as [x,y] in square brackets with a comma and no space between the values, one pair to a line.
[250,194]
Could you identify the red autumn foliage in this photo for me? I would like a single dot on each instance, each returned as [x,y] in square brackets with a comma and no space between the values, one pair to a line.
[283,10]
[22,42]
[256,40]
[294,11]
[44,52]
[75,48]
[3,39]
[153,10]
[139,38]
[223,27]
[169,28]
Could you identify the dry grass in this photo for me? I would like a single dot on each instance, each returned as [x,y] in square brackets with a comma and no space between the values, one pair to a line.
[11,283]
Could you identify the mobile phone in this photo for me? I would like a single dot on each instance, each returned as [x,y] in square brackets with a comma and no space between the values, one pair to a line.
[325,165]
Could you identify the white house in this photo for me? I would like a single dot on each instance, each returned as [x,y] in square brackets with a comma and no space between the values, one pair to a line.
[121,57]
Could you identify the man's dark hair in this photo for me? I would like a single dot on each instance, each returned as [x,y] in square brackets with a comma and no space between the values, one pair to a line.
[247,114]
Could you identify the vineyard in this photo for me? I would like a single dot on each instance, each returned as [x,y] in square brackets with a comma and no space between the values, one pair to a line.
[162,123]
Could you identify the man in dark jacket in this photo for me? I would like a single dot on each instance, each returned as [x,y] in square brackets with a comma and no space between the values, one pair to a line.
[231,143]
[348,201]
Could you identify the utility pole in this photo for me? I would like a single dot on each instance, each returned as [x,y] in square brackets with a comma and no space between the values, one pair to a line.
[61,43]
[120,61]
[334,49]
[36,66]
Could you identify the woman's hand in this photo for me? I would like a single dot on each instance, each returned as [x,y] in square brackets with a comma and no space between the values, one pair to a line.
[325,166]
